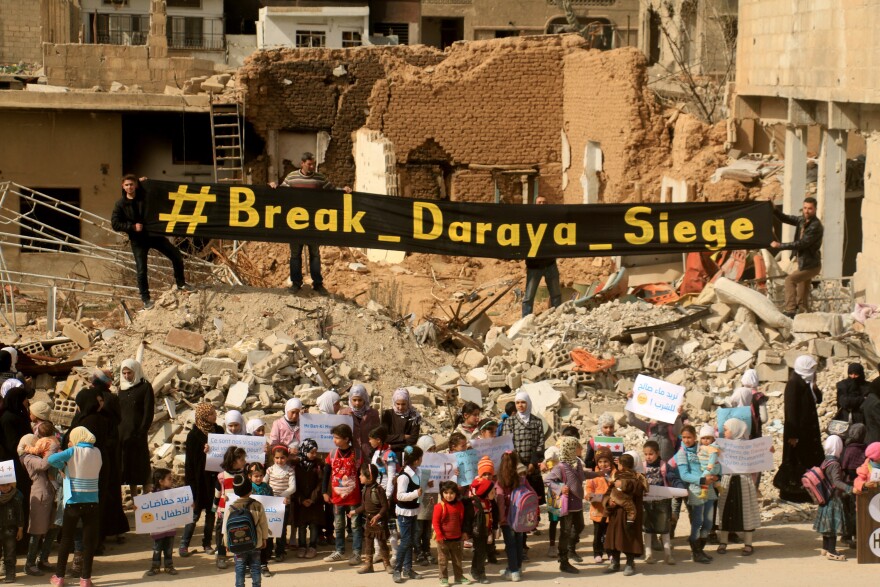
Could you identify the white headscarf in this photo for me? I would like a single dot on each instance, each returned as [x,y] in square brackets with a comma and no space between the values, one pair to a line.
[522,396]
[426,442]
[639,466]
[292,404]
[13,355]
[833,446]
[742,396]
[750,379]
[233,416]
[254,425]
[738,429]
[138,374]
[9,384]
[327,401]
[805,366]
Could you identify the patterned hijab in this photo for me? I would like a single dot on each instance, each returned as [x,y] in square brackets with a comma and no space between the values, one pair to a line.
[359,391]
[305,447]
[411,413]
[203,410]
[568,446]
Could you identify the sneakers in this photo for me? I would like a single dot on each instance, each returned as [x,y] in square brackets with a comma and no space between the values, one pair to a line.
[629,571]
[279,558]
[149,304]
[411,574]
[85,583]
[355,560]
[33,571]
[397,577]
[186,288]
[152,572]
[465,581]
[56,581]
[552,551]
[184,552]
[44,566]
[221,563]
[301,552]
[484,580]
[516,576]
[171,570]
[422,560]
[209,550]
[444,582]
[335,557]
[294,289]
[597,559]
[264,570]
[311,552]
[575,556]
[566,567]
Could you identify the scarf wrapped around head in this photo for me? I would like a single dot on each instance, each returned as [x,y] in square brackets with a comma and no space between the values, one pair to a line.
[359,391]
[738,429]
[305,447]
[202,411]
[522,396]
[750,379]
[402,393]
[254,425]
[327,401]
[292,404]
[233,416]
[568,446]
[426,442]
[138,374]
[833,446]
[856,369]
[856,433]
[805,366]
[26,442]
[8,385]
[81,434]
[873,452]
[13,356]
[638,463]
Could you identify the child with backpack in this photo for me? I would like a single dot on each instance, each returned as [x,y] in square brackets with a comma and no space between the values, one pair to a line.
[518,512]
[163,542]
[596,489]
[374,508]
[384,458]
[282,479]
[308,504]
[853,457]
[341,488]
[570,474]
[658,512]
[12,524]
[831,518]
[486,471]
[246,530]
[408,493]
[449,531]
[257,474]
[481,531]
[234,462]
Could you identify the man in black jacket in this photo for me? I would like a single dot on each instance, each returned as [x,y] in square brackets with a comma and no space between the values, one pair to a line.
[128,217]
[537,269]
[807,247]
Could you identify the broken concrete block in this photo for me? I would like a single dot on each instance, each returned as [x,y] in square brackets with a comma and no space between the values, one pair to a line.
[309,393]
[480,327]
[740,359]
[63,412]
[78,334]
[698,401]
[186,340]
[624,386]
[770,357]
[525,353]
[751,338]
[768,372]
[514,380]
[471,358]
[64,349]
[500,346]
[654,353]
[731,292]
[477,377]
[534,373]
[271,364]
[421,397]
[841,350]
[627,363]
[821,347]
[641,337]
[215,397]
[469,393]
[44,381]
[820,322]
[212,366]
[688,348]
[743,315]
[254,357]
[720,314]
[521,327]
[236,397]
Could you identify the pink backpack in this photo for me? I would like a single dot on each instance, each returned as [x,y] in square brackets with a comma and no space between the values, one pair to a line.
[817,485]
[523,512]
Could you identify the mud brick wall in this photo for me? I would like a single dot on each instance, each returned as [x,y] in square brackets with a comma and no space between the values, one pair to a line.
[20,31]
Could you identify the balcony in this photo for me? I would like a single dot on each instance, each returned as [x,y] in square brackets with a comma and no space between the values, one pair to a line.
[195,33]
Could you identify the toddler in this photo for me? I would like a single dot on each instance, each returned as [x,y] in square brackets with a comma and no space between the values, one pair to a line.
[708,455]
[624,485]
[282,480]
[163,542]
[448,522]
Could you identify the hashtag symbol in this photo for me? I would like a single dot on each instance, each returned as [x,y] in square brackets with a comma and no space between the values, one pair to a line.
[180,197]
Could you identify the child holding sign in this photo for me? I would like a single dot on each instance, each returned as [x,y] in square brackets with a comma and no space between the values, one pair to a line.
[163,542]
[738,509]
[659,512]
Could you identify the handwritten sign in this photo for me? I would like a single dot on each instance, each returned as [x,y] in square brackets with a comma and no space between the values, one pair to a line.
[255,446]
[743,413]
[614,444]
[466,461]
[494,448]
[318,427]
[439,468]
[655,399]
[162,511]
[745,456]
[274,508]
[658,492]
[7,472]
[875,477]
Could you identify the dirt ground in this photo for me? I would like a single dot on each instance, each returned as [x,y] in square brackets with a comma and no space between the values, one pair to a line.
[786,555]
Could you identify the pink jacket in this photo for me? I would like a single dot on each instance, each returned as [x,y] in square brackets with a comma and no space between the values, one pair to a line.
[863,475]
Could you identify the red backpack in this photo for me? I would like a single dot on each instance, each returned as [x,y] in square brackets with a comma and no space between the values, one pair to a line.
[817,485]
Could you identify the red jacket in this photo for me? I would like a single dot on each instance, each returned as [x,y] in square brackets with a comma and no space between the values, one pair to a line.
[448,519]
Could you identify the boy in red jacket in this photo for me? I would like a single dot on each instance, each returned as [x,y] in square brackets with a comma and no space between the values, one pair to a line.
[448,524]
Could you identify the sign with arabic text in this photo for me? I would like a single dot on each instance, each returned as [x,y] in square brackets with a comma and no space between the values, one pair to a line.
[162,511]
[274,508]
[655,399]
[439,467]
[494,448]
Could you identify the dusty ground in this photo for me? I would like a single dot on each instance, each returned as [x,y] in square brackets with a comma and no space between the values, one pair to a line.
[786,555]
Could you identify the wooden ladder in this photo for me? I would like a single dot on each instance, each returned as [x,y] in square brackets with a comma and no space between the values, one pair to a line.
[227,143]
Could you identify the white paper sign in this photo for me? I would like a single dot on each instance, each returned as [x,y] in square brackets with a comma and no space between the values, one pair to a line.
[7,472]
[161,511]
[318,427]
[493,447]
[274,507]
[745,456]
[440,467]
[875,475]
[657,492]
[655,399]
[255,446]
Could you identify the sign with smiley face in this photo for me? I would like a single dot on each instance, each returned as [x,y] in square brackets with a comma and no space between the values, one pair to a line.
[161,511]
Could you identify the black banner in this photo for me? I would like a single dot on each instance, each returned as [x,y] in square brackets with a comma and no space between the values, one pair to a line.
[501,231]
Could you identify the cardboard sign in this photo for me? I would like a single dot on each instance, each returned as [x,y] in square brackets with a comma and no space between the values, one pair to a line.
[255,446]
[439,468]
[743,413]
[318,427]
[161,511]
[494,448]
[466,461]
[655,399]
[658,492]
[614,444]
[7,472]
[274,507]
[745,456]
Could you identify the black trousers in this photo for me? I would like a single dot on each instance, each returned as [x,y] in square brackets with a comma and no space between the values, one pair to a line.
[481,553]
[89,515]
[141,249]
[570,527]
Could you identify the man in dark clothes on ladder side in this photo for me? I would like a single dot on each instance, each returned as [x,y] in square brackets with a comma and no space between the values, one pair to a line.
[536,269]
[807,247]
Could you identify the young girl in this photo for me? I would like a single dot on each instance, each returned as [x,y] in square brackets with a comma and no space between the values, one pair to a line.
[596,489]
[234,422]
[234,461]
[257,474]
[384,458]
[374,506]
[163,542]
[42,499]
[738,509]
[468,420]
[422,539]
[285,431]
[409,492]
[551,458]
[200,480]
[448,523]
[606,427]
[282,479]
[570,474]
[511,474]
[623,537]
[308,504]
[853,457]
[700,510]
[255,427]
[658,512]
[831,519]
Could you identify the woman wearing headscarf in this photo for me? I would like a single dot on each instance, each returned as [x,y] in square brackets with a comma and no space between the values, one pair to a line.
[527,430]
[402,420]
[328,403]
[738,509]
[851,393]
[365,418]
[138,405]
[233,422]
[802,446]
[285,430]
[831,518]
[747,395]
[200,481]
[871,412]
[15,423]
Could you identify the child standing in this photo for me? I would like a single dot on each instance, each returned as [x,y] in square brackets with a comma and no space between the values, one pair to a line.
[625,484]
[257,474]
[448,523]
[700,509]
[468,420]
[831,518]
[374,508]
[200,480]
[249,559]
[657,512]
[571,475]
[234,461]
[422,539]
[11,526]
[42,501]
[282,480]
[511,474]
[309,507]
[163,542]
[551,458]
[596,489]
[340,488]
[483,490]
[409,491]
[853,457]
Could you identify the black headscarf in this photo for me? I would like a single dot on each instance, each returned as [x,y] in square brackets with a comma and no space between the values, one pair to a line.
[5,361]
[87,401]
[856,368]
[14,401]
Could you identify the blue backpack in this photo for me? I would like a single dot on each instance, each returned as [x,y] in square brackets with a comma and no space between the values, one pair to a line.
[241,531]
[523,513]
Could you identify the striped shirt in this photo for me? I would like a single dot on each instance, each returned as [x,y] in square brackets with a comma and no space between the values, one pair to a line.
[81,465]
[314,181]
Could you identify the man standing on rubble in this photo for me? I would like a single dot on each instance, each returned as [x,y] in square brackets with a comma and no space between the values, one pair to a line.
[306,177]
[541,268]
[807,247]
[128,217]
